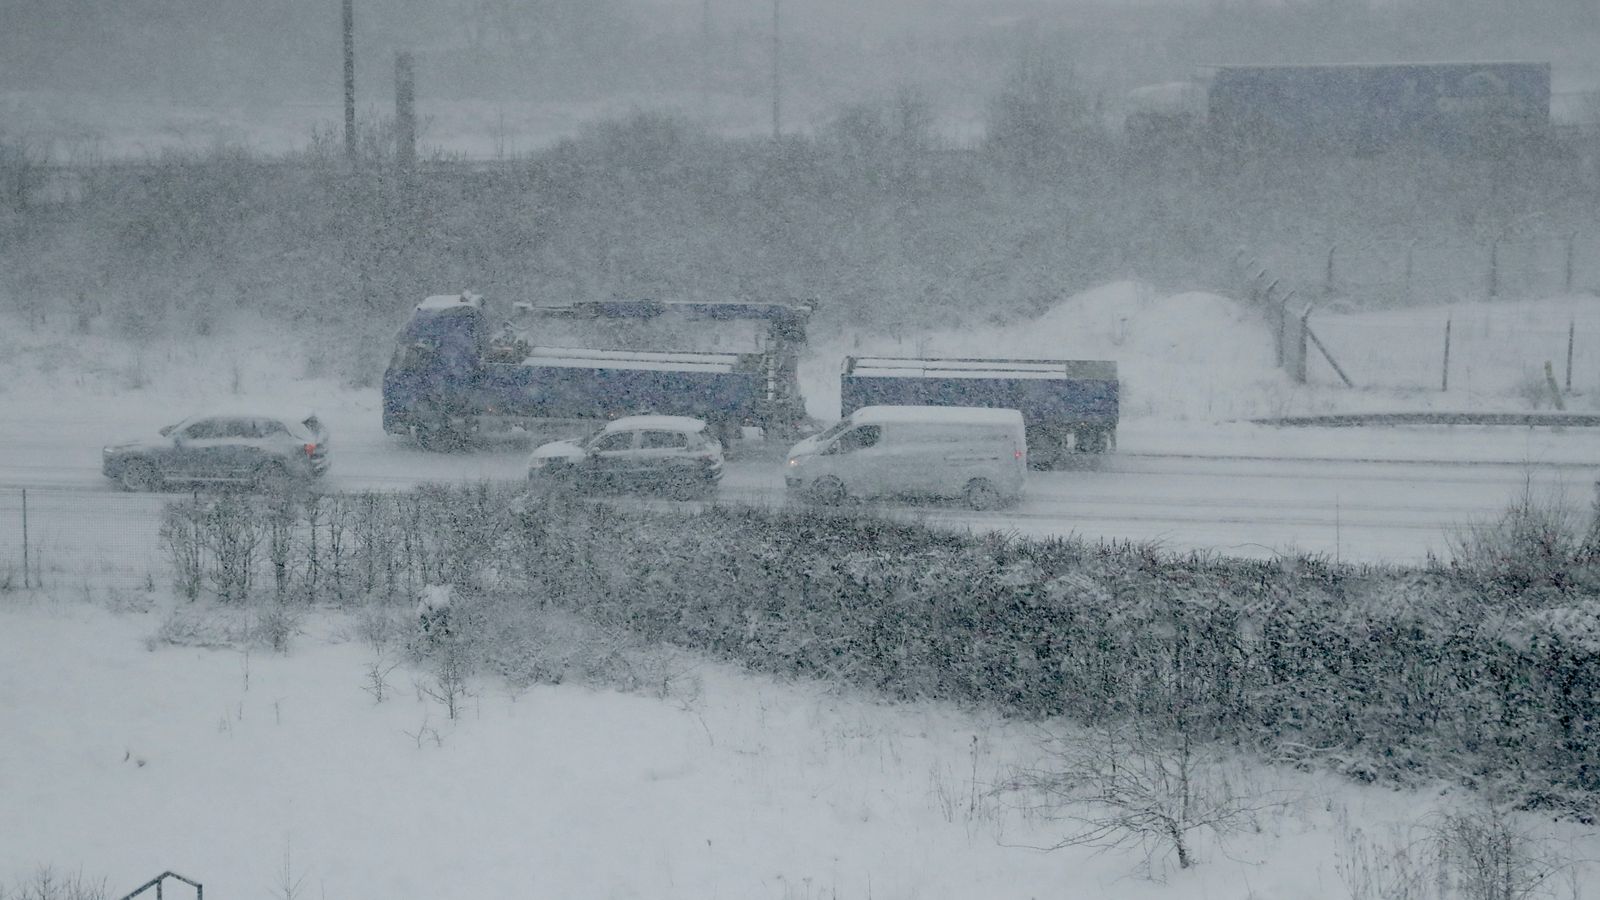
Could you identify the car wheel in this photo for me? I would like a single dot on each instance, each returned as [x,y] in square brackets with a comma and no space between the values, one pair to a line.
[827,491]
[981,494]
[272,478]
[139,475]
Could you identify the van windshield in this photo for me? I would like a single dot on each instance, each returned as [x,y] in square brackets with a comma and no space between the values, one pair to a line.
[834,431]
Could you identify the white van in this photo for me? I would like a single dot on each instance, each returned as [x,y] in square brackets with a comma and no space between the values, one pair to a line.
[976,454]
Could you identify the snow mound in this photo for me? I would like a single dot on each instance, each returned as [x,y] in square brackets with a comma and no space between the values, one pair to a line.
[1191,355]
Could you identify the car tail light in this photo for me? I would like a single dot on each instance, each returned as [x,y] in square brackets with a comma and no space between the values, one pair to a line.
[311,449]
[1018,454]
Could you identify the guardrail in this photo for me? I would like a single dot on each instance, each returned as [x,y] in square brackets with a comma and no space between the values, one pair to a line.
[1525,420]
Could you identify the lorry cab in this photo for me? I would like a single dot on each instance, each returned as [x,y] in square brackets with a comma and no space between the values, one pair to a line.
[975,454]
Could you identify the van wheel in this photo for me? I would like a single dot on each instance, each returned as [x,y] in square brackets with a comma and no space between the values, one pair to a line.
[139,475]
[827,490]
[981,494]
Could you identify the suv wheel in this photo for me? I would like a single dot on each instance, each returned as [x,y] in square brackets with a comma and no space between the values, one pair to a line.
[272,478]
[827,490]
[140,475]
[981,495]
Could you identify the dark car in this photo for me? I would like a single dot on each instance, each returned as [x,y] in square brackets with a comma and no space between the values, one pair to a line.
[265,451]
[668,454]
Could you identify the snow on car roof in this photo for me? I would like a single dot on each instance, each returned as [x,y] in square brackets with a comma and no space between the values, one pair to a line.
[937,414]
[451,301]
[658,423]
[294,416]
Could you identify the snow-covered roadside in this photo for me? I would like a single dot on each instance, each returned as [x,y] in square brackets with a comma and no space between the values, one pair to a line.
[126,757]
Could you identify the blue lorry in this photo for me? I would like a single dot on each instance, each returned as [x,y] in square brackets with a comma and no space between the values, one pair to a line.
[460,371]
[1068,406]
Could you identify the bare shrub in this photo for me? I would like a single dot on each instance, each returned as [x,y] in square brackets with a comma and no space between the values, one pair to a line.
[203,625]
[1536,542]
[1384,868]
[47,884]
[276,624]
[452,669]
[1130,785]
[282,517]
[1484,855]
[181,538]
[379,626]
[232,536]
[376,677]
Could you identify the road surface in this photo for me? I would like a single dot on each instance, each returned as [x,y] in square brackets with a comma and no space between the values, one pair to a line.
[1381,495]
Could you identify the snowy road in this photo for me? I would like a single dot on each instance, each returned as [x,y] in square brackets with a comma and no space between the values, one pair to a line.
[1375,495]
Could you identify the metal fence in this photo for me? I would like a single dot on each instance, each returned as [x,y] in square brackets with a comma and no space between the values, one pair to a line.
[1428,318]
[1389,273]
[66,539]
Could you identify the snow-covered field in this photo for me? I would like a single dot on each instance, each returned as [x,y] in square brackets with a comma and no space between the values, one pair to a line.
[267,775]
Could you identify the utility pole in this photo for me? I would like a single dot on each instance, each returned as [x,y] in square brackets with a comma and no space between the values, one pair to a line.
[405,110]
[705,59]
[777,84]
[350,79]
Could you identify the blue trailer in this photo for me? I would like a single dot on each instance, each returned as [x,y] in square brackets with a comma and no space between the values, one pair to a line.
[457,372]
[1067,406]
[1370,107]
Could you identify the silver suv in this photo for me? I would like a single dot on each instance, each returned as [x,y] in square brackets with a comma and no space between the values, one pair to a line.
[265,451]
[672,454]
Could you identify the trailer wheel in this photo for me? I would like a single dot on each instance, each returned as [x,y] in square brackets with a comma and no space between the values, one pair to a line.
[443,439]
[1092,440]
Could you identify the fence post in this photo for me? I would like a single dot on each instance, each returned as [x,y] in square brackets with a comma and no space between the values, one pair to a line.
[1444,384]
[1572,330]
[25,583]
[1411,262]
[1555,393]
[1327,288]
[1571,239]
[1494,269]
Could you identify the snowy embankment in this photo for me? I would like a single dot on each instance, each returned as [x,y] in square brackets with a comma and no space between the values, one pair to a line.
[1196,357]
[256,772]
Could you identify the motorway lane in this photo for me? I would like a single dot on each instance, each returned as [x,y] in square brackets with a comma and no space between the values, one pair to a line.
[1350,509]
[1368,494]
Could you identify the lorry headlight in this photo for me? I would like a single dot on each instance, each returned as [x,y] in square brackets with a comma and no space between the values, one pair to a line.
[794,462]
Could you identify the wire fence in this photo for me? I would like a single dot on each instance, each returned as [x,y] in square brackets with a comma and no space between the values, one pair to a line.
[58,539]
[1467,351]
[1390,273]
[1437,317]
